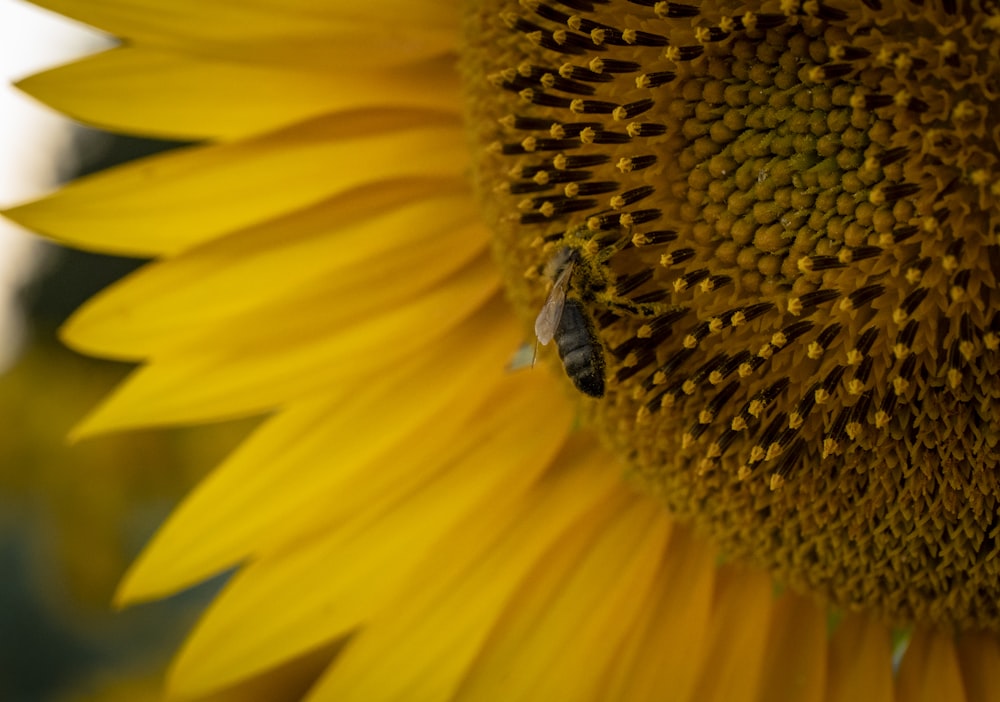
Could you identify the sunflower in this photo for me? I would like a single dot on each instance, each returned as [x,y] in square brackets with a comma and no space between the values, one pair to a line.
[763,237]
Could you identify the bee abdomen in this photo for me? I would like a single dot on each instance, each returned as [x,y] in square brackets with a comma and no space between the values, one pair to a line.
[580,350]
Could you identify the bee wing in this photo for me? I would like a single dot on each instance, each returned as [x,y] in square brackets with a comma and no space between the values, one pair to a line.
[548,318]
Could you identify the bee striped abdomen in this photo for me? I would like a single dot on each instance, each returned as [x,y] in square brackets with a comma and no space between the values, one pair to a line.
[580,350]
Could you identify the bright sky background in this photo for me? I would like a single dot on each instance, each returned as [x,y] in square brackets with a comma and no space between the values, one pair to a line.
[32,141]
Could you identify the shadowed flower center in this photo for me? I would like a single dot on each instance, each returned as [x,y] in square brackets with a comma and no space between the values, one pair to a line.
[775,228]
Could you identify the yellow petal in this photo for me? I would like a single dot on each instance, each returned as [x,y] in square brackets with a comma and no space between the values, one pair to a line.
[315,461]
[364,562]
[323,36]
[212,385]
[561,631]
[794,666]
[930,671]
[741,615]
[164,204]
[667,649]
[860,661]
[332,259]
[979,656]
[154,92]
[428,637]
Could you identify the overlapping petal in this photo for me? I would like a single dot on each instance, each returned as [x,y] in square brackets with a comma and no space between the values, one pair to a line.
[860,662]
[168,203]
[243,378]
[930,669]
[302,33]
[366,551]
[666,648]
[346,248]
[353,447]
[174,95]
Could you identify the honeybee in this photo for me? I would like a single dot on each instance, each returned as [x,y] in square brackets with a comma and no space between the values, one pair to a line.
[565,320]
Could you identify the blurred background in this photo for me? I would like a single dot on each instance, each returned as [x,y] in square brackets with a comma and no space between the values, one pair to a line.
[72,517]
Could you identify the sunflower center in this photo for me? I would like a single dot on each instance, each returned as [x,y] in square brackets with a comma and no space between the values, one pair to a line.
[770,231]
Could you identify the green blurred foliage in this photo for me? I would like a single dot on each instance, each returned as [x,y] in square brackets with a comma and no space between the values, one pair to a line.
[72,517]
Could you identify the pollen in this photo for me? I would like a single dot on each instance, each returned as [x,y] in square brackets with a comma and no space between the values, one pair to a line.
[787,219]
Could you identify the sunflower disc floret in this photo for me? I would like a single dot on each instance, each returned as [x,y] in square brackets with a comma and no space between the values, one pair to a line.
[795,209]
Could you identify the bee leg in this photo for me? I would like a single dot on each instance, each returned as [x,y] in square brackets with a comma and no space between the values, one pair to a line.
[630,308]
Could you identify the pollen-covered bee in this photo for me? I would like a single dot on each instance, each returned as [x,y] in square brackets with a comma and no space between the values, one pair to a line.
[582,278]
[566,321]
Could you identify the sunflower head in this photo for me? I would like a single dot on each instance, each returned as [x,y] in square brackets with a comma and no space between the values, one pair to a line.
[786,217]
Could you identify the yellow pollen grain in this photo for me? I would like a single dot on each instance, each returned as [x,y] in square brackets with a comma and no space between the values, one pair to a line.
[643,416]
[954,377]
[830,448]
[967,349]
[964,111]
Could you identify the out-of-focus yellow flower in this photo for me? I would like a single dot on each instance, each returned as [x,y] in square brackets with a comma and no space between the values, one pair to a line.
[777,227]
